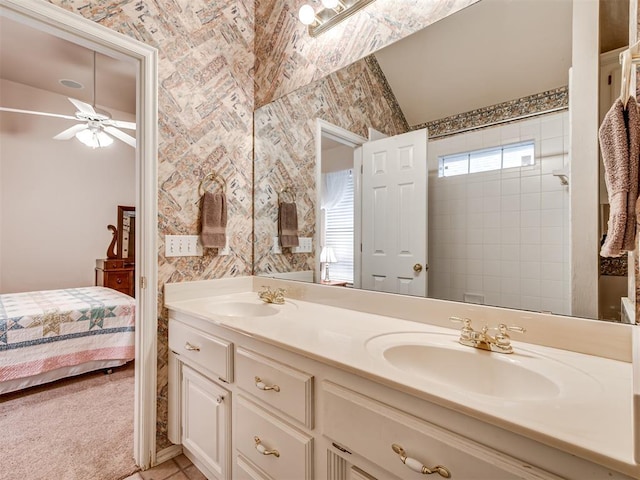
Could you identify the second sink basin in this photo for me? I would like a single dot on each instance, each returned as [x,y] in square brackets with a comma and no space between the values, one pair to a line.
[522,375]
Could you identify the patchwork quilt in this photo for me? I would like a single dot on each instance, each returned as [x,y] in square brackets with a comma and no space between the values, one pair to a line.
[45,330]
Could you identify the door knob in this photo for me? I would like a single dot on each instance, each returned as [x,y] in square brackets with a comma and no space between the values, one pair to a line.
[417,268]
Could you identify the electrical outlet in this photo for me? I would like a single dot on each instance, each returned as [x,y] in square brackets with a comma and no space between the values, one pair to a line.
[305,245]
[276,246]
[182,246]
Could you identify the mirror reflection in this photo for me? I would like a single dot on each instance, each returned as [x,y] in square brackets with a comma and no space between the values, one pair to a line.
[440,165]
[126,233]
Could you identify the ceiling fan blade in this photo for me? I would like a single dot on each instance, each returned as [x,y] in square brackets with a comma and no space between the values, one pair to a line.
[82,107]
[71,131]
[128,139]
[121,124]
[31,112]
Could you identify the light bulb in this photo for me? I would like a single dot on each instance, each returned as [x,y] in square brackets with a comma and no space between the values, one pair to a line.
[330,3]
[94,138]
[306,14]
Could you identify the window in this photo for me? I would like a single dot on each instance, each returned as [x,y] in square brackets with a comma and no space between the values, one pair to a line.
[339,234]
[507,156]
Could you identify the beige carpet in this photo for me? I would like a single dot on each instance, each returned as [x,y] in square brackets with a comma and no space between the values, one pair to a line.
[75,429]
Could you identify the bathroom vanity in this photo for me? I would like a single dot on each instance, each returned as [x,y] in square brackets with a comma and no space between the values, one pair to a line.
[312,390]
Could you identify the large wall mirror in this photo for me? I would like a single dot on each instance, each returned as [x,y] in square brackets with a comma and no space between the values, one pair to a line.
[481,98]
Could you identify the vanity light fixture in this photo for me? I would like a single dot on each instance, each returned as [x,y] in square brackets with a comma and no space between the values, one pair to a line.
[332,13]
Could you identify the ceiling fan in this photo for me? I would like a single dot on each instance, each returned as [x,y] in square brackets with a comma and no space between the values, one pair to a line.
[97,127]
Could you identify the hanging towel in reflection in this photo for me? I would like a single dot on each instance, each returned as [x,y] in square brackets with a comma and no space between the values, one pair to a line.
[288,224]
[214,220]
[619,137]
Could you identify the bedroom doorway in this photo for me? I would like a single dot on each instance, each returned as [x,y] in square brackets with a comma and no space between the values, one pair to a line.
[53,20]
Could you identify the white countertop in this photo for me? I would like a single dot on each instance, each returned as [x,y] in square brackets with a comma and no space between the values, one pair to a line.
[594,422]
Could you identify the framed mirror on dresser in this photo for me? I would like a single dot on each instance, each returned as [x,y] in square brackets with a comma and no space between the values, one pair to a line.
[118,269]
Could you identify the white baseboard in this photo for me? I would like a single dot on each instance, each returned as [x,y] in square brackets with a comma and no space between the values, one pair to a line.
[167,454]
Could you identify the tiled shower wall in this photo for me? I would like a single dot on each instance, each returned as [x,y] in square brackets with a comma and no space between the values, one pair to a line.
[503,237]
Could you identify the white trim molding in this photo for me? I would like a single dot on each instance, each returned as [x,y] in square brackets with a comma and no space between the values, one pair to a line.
[74,28]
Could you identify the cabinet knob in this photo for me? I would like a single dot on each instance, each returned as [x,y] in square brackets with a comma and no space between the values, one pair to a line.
[263,450]
[417,466]
[219,399]
[263,386]
[118,281]
[191,348]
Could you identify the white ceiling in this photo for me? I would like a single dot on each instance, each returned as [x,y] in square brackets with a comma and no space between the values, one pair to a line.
[488,53]
[38,59]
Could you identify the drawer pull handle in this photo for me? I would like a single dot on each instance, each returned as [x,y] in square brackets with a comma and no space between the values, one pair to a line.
[263,450]
[191,348]
[263,386]
[417,466]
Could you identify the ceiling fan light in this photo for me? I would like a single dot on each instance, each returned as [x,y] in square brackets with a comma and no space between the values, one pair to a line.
[94,138]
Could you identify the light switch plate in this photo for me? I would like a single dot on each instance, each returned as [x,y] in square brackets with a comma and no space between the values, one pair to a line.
[182,246]
[305,245]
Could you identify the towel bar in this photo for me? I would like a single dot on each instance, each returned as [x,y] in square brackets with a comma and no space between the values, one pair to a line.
[215,178]
[287,190]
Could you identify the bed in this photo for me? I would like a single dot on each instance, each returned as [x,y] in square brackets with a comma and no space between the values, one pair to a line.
[52,334]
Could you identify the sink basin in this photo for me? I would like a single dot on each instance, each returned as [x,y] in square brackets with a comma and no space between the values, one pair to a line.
[244,309]
[439,358]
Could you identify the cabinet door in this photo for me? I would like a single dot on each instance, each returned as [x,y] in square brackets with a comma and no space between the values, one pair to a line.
[206,425]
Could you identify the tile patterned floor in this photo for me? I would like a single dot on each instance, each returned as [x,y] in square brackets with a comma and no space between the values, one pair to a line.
[179,468]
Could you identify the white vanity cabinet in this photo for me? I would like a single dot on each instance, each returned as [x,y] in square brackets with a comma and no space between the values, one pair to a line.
[200,406]
[299,418]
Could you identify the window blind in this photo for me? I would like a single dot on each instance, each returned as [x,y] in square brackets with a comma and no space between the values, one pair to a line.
[339,234]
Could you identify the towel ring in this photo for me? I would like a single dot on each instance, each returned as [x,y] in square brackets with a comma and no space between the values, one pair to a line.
[214,178]
[287,191]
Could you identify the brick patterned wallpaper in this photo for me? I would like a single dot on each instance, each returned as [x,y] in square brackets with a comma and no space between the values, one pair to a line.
[205,125]
[353,98]
[288,58]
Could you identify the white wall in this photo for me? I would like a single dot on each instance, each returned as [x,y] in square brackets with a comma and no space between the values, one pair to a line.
[56,197]
[503,234]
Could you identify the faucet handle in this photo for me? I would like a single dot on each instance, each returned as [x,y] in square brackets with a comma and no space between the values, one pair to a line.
[466,322]
[467,333]
[503,340]
[503,328]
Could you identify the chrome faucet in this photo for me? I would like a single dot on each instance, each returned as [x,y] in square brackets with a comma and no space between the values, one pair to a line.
[500,343]
[272,296]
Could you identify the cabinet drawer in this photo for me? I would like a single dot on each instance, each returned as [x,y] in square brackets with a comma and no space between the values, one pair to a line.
[245,470]
[212,353]
[280,386]
[118,280]
[370,428]
[294,458]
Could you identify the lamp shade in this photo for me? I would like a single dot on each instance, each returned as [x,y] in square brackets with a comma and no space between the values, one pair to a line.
[327,255]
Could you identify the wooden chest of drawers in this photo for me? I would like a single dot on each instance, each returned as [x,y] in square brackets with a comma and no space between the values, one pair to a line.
[116,274]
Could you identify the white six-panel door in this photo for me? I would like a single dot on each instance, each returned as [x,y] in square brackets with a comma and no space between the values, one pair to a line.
[394,218]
